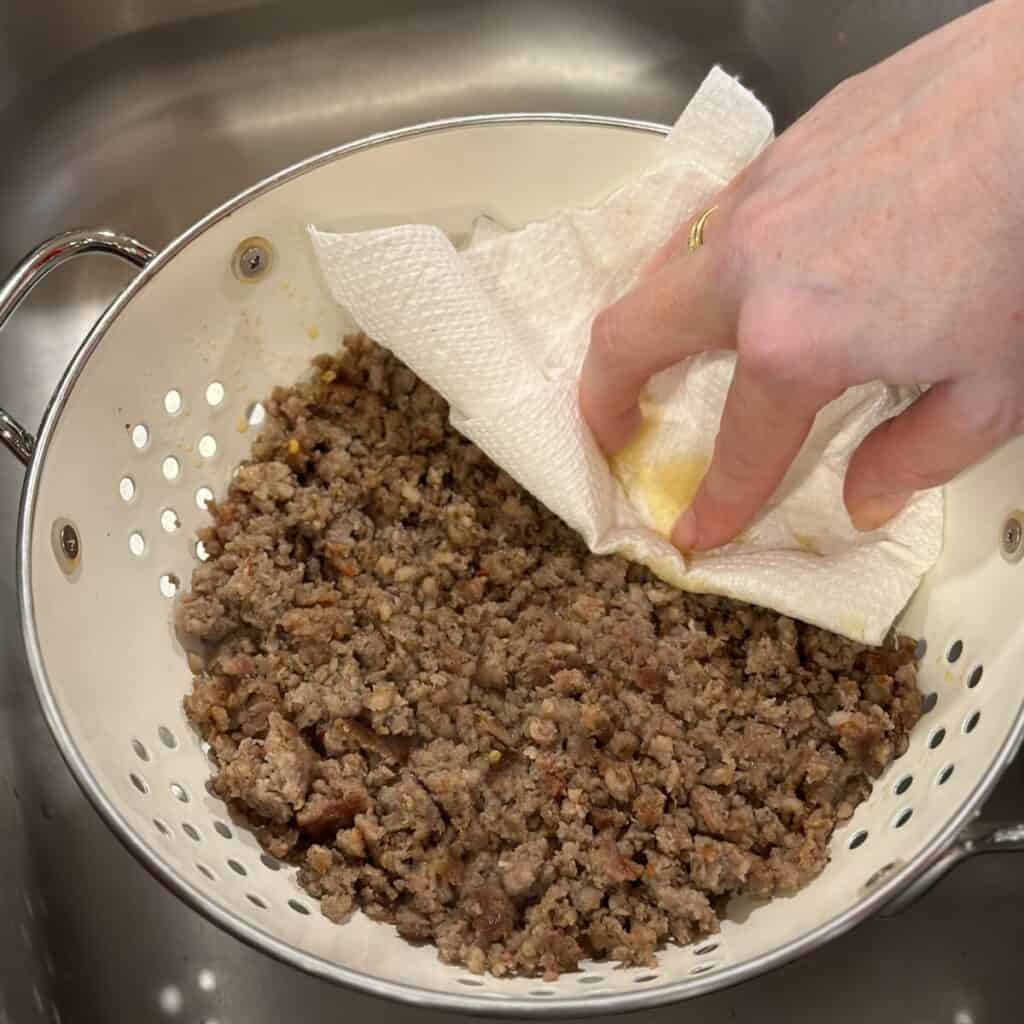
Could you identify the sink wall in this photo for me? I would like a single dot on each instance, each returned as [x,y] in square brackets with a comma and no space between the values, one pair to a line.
[141,115]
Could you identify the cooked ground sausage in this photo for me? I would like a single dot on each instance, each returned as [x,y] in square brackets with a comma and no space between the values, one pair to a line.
[420,687]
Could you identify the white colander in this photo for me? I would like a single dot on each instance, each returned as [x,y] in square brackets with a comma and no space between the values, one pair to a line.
[158,406]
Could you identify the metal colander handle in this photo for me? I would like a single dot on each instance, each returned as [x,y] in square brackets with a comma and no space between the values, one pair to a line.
[979,837]
[30,271]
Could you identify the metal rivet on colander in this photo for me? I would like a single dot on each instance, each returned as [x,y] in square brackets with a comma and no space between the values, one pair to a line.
[1013,537]
[67,546]
[253,259]
[69,541]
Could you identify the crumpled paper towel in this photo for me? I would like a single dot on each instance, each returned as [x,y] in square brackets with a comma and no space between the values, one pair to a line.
[500,330]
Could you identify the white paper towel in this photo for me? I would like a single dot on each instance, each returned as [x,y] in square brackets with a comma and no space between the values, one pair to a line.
[500,330]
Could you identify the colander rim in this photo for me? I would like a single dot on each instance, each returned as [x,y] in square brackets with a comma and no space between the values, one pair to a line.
[257,938]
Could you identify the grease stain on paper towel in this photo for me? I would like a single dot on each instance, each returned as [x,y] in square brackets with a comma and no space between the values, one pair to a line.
[661,486]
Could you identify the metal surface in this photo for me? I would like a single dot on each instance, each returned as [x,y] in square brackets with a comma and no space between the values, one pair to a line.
[16,439]
[978,838]
[43,260]
[894,871]
[253,258]
[147,127]
[1013,538]
[69,544]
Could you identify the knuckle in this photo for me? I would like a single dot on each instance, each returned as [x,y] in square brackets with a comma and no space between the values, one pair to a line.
[773,358]
[779,346]
[607,338]
[773,343]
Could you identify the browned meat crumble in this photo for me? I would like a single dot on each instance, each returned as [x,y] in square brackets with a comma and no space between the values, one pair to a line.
[420,687]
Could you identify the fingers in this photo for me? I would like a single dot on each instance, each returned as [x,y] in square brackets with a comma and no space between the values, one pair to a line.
[766,421]
[782,378]
[942,433]
[763,426]
[676,311]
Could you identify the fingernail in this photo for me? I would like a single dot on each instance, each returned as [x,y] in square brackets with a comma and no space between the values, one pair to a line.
[871,513]
[686,532]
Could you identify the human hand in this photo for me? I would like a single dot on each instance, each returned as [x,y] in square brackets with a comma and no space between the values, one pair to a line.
[880,238]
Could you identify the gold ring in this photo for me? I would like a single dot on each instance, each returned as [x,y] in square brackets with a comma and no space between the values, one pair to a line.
[697,231]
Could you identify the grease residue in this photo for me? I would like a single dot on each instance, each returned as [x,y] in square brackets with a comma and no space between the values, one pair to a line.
[808,543]
[660,486]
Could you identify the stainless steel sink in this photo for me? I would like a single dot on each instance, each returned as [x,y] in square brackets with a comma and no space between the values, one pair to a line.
[141,115]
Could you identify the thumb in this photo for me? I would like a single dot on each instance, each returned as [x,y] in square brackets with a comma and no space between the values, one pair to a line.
[925,446]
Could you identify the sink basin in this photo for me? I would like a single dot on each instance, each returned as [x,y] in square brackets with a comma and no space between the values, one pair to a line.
[126,115]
